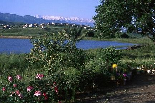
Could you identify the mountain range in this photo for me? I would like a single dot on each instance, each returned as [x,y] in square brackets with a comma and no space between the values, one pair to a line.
[44,19]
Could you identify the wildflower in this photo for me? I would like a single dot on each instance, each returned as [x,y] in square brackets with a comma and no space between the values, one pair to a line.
[29,88]
[114,66]
[45,95]
[56,89]
[19,77]
[54,83]
[17,92]
[124,75]
[14,85]
[10,79]
[37,93]
[3,89]
[39,76]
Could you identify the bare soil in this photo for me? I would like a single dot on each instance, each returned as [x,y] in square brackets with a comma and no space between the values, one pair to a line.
[141,89]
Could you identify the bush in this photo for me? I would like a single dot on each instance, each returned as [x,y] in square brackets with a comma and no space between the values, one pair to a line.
[99,68]
[41,89]
[59,57]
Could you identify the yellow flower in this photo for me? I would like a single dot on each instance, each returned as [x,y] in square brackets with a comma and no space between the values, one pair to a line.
[114,66]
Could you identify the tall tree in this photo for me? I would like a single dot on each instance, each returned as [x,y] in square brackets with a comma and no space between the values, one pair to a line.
[114,14]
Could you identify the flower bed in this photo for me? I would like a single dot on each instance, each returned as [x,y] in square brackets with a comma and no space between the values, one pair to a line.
[39,90]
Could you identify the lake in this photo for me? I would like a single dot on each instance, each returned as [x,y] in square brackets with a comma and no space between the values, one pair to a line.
[8,45]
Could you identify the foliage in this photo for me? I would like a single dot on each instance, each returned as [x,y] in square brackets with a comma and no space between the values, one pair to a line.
[109,55]
[67,70]
[99,67]
[41,89]
[57,54]
[12,61]
[112,15]
[54,51]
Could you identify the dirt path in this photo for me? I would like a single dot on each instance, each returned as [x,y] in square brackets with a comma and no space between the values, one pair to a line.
[140,90]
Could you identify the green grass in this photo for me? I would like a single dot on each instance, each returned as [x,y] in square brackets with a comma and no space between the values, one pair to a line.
[14,64]
[136,57]
[19,31]
[143,40]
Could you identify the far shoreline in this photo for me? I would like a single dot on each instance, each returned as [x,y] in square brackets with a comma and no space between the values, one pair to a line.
[17,37]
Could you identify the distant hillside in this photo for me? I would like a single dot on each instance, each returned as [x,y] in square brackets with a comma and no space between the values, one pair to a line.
[31,19]
[25,19]
[10,23]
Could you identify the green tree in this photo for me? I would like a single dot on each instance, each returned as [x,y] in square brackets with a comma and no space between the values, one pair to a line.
[132,14]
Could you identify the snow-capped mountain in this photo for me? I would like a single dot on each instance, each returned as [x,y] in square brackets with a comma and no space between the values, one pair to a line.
[44,19]
[68,19]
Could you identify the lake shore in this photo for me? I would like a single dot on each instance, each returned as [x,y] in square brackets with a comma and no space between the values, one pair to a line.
[17,37]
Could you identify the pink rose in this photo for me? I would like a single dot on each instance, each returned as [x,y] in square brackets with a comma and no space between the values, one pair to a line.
[19,77]
[29,88]
[14,85]
[10,78]
[45,96]
[54,83]
[17,92]
[3,89]
[37,93]
[56,89]
[39,76]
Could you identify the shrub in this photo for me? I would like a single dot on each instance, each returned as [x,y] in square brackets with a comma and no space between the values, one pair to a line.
[41,89]
[59,57]
[99,68]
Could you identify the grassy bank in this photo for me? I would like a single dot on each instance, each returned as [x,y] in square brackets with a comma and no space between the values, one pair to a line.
[143,40]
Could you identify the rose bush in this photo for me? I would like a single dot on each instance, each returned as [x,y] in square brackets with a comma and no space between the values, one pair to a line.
[42,89]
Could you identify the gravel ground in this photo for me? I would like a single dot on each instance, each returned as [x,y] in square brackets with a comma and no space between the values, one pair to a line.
[140,90]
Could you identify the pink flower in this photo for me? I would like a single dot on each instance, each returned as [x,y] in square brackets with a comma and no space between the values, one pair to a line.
[54,83]
[3,89]
[29,88]
[10,79]
[39,76]
[37,93]
[45,95]
[17,92]
[124,75]
[56,89]
[19,77]
[14,85]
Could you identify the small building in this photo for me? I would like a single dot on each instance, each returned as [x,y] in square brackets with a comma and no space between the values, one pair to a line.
[6,27]
[25,26]
[35,25]
[31,25]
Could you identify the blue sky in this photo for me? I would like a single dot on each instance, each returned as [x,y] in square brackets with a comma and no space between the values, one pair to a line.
[65,8]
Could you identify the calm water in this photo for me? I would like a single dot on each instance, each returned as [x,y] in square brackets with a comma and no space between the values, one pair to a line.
[24,45]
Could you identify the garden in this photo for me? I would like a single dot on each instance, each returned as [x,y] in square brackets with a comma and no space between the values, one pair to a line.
[56,71]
